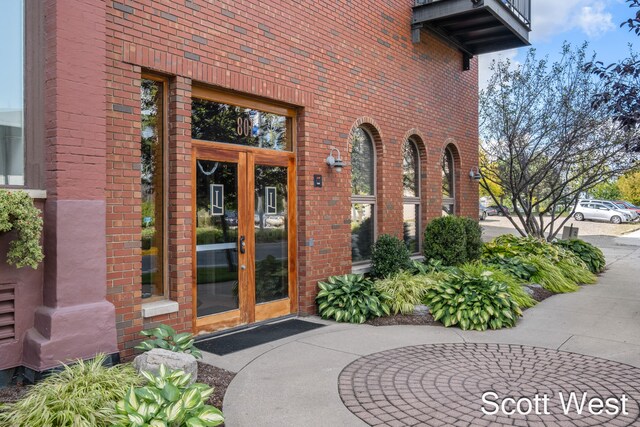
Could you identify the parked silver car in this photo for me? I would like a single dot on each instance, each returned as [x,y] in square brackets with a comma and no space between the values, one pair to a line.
[588,209]
[615,206]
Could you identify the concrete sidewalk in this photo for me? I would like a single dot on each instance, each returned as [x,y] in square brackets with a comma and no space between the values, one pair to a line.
[294,381]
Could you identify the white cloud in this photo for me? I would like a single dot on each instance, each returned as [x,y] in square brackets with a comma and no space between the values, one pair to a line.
[594,21]
[551,17]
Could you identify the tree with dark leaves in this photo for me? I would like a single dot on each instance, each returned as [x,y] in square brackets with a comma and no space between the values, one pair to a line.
[621,92]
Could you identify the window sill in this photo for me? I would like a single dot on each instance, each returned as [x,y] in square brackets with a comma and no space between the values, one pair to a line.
[158,308]
[34,194]
[361,268]
[417,257]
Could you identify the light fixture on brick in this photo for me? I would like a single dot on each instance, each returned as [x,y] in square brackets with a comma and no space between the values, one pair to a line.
[474,173]
[335,163]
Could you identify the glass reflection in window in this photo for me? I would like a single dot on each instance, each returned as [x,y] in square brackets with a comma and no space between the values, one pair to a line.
[11,93]
[213,121]
[151,107]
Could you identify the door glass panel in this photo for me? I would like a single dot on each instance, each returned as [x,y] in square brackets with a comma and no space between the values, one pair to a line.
[216,236]
[272,245]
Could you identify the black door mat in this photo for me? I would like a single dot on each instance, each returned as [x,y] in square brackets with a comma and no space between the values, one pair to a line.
[260,335]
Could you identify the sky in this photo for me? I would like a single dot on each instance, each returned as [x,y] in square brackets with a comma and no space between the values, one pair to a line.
[575,21]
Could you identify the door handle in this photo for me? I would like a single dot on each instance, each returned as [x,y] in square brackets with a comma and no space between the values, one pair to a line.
[242,244]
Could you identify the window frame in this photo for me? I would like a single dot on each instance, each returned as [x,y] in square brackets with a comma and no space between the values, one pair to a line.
[165,188]
[451,200]
[417,199]
[370,199]
[255,103]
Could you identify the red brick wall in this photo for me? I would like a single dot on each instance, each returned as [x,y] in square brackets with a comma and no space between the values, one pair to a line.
[337,61]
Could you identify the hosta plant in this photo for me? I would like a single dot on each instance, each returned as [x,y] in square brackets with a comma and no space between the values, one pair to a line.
[167,400]
[476,303]
[517,266]
[167,338]
[509,245]
[589,254]
[350,298]
[405,290]
[81,395]
[514,284]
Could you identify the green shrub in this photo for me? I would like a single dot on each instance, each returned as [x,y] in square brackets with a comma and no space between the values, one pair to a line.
[167,338]
[514,284]
[516,266]
[389,255]
[350,298]
[550,276]
[17,213]
[511,246]
[561,272]
[591,255]
[473,234]
[167,400]
[474,303]
[445,240]
[81,395]
[405,290]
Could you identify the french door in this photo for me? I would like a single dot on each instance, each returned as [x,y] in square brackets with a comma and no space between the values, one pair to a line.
[244,263]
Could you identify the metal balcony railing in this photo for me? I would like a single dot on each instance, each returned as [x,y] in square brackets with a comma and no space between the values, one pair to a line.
[521,9]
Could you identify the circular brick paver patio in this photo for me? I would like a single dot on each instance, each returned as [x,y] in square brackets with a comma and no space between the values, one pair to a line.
[442,385]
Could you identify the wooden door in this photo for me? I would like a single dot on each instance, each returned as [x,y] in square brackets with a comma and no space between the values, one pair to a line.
[244,235]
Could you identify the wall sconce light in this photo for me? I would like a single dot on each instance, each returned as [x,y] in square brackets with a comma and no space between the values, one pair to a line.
[333,162]
[474,173]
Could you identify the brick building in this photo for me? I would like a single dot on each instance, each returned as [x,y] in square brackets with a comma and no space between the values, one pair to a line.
[180,153]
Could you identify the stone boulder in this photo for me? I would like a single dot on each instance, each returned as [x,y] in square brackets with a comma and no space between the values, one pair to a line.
[151,360]
[421,310]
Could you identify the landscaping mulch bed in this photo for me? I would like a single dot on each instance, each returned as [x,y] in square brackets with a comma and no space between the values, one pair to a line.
[12,393]
[214,377]
[217,378]
[403,319]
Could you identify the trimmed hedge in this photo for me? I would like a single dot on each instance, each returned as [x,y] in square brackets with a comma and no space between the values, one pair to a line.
[452,240]
[389,255]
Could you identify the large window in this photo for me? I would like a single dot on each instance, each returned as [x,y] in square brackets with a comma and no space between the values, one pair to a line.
[448,183]
[411,195]
[363,196]
[12,93]
[152,166]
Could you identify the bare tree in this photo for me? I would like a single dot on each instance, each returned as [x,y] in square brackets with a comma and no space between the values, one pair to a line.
[544,142]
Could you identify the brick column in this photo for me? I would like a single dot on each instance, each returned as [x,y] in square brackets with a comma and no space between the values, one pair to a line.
[75,320]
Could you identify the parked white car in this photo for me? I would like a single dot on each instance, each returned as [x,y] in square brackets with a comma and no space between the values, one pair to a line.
[588,209]
[615,206]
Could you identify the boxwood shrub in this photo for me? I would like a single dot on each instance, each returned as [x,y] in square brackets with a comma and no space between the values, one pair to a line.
[452,240]
[389,255]
[445,240]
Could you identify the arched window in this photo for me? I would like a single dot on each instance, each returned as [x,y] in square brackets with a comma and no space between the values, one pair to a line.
[411,195]
[448,187]
[363,195]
